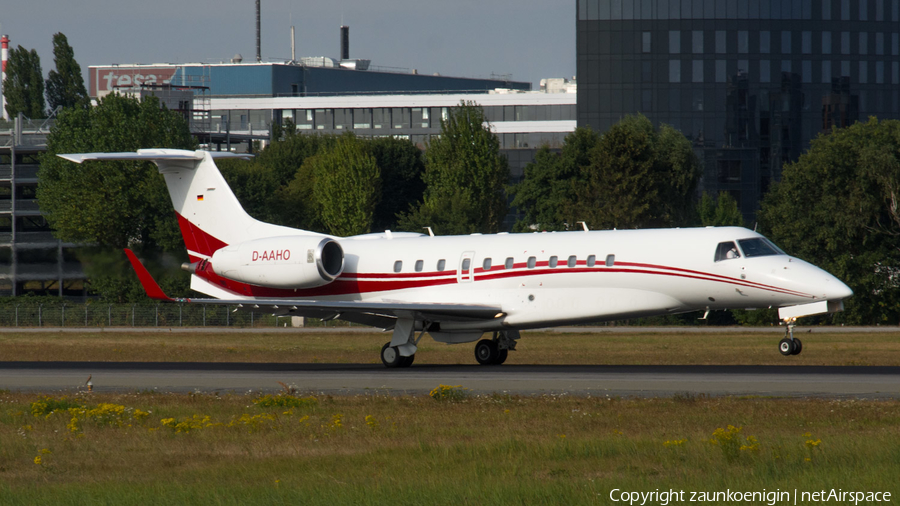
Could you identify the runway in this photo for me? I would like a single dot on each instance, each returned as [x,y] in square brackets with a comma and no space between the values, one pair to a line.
[351,379]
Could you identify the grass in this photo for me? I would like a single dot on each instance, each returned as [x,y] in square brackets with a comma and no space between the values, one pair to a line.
[418,450]
[533,348]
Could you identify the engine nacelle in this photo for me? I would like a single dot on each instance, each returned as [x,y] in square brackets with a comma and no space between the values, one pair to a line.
[281,262]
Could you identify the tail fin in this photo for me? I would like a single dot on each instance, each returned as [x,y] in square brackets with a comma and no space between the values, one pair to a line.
[150,285]
[209,214]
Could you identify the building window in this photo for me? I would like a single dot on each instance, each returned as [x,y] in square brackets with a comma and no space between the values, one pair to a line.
[674,71]
[845,42]
[863,43]
[863,72]
[826,9]
[786,66]
[806,43]
[785,42]
[400,117]
[879,72]
[765,44]
[646,72]
[845,10]
[697,76]
[647,100]
[721,76]
[879,10]
[863,10]
[743,41]
[674,42]
[895,44]
[879,44]
[697,42]
[845,68]
[806,70]
[826,71]
[826,42]
[645,42]
[765,74]
[895,73]
[720,41]
[362,118]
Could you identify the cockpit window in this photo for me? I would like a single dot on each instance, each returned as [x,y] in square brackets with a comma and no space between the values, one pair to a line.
[727,251]
[759,247]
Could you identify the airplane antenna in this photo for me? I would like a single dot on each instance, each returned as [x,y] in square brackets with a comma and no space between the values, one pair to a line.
[584,226]
[430,232]
[755,225]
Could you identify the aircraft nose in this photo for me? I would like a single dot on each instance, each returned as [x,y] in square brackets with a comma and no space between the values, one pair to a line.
[835,289]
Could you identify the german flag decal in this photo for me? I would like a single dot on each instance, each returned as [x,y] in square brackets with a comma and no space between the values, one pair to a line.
[199,198]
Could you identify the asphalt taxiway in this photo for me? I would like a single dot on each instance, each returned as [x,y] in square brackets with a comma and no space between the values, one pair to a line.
[636,381]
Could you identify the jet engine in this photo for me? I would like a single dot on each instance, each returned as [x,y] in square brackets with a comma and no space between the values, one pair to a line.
[281,262]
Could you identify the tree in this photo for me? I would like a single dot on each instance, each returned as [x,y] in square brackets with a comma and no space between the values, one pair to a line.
[630,177]
[65,86]
[116,204]
[546,192]
[721,211]
[465,177]
[837,207]
[402,167]
[347,186]
[24,84]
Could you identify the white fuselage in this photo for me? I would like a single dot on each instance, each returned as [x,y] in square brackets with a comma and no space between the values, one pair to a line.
[615,274]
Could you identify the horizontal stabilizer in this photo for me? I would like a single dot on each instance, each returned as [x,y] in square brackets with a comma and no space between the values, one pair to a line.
[151,155]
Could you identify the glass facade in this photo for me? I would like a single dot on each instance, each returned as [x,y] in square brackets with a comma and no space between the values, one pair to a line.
[749,82]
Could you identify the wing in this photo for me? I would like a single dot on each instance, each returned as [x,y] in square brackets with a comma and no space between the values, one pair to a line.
[377,314]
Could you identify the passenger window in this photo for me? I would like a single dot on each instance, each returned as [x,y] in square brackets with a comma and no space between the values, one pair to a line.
[592,260]
[727,251]
[553,261]
[509,263]
[398,265]
[486,265]
[419,265]
[532,262]
[610,260]
[573,261]
[441,264]
[467,262]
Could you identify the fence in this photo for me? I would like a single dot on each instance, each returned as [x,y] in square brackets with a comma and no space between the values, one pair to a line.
[138,315]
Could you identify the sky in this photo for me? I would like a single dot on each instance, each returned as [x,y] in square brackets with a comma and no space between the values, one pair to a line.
[529,39]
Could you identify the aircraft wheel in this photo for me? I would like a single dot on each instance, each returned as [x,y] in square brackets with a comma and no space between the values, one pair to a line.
[486,352]
[786,347]
[390,356]
[798,347]
[407,361]
[501,356]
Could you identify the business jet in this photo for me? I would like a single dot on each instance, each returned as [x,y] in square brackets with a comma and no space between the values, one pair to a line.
[457,288]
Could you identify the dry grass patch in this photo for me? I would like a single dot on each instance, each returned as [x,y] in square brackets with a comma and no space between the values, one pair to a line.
[534,348]
[481,449]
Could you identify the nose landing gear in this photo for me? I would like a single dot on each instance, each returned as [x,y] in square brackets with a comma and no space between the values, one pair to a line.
[790,345]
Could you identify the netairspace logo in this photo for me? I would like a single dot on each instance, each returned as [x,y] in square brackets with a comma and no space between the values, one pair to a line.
[769,497]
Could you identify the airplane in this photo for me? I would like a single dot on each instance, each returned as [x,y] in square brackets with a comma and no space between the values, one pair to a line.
[457,288]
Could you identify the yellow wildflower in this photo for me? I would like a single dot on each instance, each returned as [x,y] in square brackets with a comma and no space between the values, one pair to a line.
[37,460]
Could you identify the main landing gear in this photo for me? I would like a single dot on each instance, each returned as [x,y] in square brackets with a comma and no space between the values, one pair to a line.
[391,357]
[494,351]
[790,345]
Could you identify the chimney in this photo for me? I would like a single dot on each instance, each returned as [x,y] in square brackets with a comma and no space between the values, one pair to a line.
[258,48]
[345,42]
[4,55]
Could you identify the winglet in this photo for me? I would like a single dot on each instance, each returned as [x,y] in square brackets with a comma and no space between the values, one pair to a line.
[150,286]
